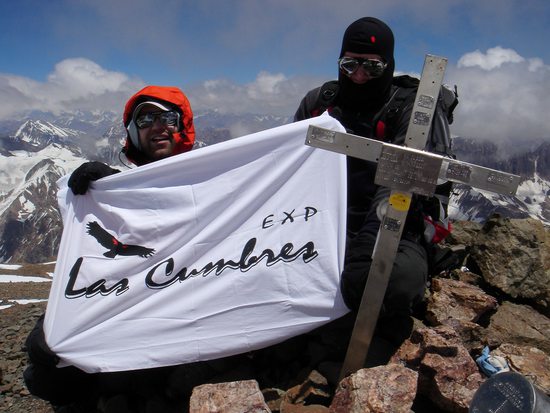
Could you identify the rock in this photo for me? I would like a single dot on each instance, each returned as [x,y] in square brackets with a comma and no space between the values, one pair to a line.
[381,389]
[231,397]
[459,305]
[530,362]
[448,375]
[513,255]
[313,392]
[457,300]
[463,233]
[273,399]
[471,334]
[518,324]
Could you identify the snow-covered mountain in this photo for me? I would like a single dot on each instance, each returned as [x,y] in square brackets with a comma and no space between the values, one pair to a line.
[36,151]
[40,134]
[532,197]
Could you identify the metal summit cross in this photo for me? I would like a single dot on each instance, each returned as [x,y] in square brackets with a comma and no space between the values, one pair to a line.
[406,170]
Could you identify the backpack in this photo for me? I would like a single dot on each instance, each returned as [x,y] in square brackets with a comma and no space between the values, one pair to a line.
[434,209]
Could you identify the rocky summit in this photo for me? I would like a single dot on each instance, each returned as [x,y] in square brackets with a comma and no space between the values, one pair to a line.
[495,298]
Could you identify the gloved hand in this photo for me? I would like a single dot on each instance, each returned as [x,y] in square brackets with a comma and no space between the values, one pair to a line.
[80,179]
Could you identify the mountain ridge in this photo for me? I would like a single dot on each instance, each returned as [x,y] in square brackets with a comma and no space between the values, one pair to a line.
[35,153]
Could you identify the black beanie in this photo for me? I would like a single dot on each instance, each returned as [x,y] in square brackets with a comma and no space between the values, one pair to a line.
[367,35]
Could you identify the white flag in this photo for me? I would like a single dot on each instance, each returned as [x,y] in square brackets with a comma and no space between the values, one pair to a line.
[207,254]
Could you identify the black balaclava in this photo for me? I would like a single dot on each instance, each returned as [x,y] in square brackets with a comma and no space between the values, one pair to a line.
[367,35]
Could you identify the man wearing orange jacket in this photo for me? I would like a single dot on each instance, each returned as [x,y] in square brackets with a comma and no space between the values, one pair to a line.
[159,124]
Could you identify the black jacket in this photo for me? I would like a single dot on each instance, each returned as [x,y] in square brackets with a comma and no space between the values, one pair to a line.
[363,194]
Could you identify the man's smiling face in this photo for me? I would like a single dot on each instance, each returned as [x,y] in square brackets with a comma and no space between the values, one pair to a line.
[156,141]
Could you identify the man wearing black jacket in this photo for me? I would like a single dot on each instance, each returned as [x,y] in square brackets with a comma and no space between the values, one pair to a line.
[360,99]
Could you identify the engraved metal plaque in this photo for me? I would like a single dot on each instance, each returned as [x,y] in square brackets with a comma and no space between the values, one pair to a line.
[459,172]
[344,143]
[408,170]
[480,177]
[391,224]
[322,135]
[509,392]
[426,101]
[421,118]
[498,179]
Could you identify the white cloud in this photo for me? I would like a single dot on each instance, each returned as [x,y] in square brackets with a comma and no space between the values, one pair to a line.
[503,96]
[536,64]
[500,95]
[76,83]
[266,85]
[79,84]
[494,58]
[82,77]
[268,94]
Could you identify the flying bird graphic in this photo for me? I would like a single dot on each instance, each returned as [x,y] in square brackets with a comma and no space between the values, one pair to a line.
[114,246]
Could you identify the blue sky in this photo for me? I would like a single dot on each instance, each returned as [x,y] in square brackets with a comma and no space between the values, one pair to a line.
[262,56]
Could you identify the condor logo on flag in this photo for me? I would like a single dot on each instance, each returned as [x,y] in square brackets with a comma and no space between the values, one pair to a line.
[114,246]
[211,253]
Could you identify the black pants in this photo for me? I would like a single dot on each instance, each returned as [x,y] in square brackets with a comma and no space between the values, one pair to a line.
[406,285]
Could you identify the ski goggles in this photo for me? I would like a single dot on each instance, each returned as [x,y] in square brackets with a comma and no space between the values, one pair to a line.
[167,119]
[373,67]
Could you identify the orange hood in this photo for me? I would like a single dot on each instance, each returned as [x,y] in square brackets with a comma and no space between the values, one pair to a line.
[172,96]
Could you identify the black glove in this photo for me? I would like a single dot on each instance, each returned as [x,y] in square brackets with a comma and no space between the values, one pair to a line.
[80,179]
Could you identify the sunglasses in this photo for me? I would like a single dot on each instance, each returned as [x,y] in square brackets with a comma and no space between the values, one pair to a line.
[373,67]
[167,119]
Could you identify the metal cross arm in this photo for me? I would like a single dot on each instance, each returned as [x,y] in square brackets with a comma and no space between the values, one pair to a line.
[412,170]
[406,171]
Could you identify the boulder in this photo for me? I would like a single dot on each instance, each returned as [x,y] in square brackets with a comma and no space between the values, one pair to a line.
[518,324]
[230,397]
[513,256]
[457,300]
[448,376]
[382,389]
